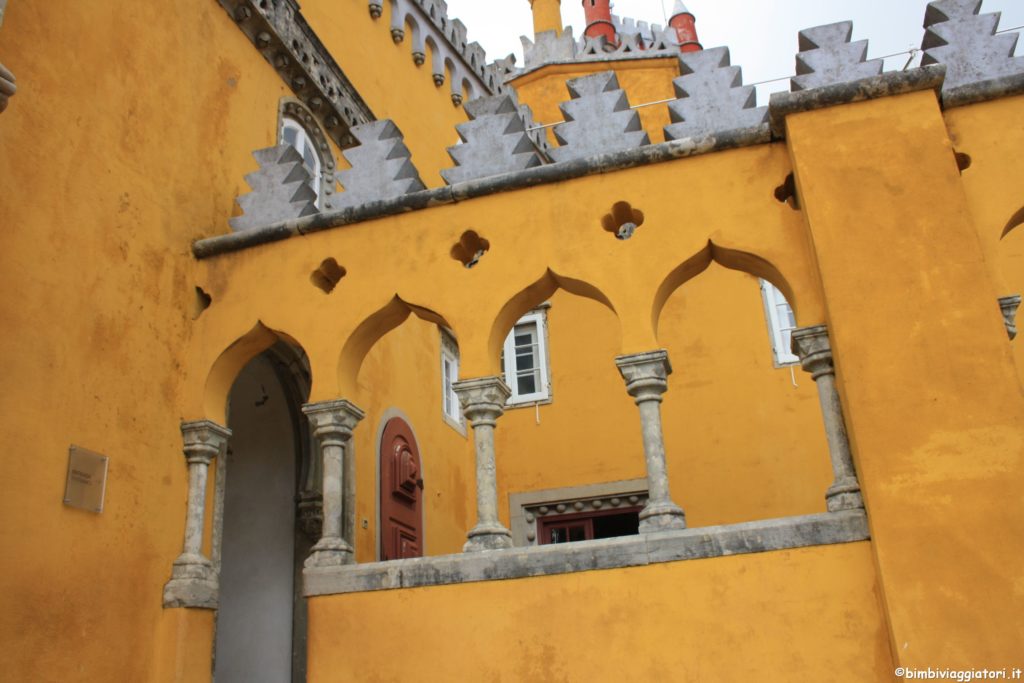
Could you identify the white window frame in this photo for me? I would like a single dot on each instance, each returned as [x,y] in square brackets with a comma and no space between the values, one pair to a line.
[778,314]
[537,318]
[451,410]
[302,143]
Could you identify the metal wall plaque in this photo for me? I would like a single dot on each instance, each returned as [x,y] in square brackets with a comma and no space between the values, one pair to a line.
[87,479]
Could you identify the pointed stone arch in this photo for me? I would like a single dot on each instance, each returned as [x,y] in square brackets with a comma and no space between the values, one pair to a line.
[532,296]
[370,331]
[729,258]
[230,362]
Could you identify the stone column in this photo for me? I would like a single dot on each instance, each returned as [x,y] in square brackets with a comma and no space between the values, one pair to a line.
[646,376]
[1009,305]
[193,580]
[812,345]
[333,422]
[483,402]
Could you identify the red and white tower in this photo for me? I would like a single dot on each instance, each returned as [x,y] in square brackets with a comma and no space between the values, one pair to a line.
[684,24]
[598,15]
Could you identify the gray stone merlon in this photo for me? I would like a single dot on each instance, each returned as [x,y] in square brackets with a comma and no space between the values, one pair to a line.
[448,37]
[289,44]
[494,141]
[782,104]
[280,190]
[812,346]
[712,97]
[381,167]
[483,400]
[1009,305]
[193,580]
[768,535]
[294,109]
[597,119]
[459,192]
[966,42]
[547,47]
[828,57]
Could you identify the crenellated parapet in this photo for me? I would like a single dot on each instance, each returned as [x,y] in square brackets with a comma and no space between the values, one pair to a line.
[827,56]
[381,166]
[460,64]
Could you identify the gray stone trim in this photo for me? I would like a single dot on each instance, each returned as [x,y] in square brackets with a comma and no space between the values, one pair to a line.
[614,553]
[598,119]
[607,57]
[1009,305]
[527,506]
[279,189]
[828,57]
[430,22]
[289,44]
[539,175]
[983,91]
[782,104]
[8,86]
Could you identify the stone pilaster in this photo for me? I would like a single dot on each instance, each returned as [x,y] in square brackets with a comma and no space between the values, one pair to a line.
[1009,305]
[193,579]
[812,345]
[646,375]
[483,402]
[333,422]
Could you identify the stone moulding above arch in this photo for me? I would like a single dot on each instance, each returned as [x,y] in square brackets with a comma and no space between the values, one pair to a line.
[225,369]
[529,298]
[729,258]
[371,330]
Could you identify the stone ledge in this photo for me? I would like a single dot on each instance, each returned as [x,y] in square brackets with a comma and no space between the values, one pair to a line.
[614,553]
[983,91]
[782,104]
[538,175]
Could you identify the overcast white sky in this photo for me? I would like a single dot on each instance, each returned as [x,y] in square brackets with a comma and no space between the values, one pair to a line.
[761,34]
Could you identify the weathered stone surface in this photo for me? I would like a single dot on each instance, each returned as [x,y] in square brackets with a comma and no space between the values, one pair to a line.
[612,553]
[280,190]
[548,46]
[712,97]
[381,166]
[1009,305]
[597,119]
[495,141]
[966,42]
[828,57]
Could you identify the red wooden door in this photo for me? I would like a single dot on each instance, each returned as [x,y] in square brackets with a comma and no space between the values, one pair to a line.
[401,493]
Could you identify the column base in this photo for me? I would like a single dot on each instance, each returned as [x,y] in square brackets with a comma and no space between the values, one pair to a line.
[193,583]
[488,537]
[330,552]
[661,517]
[844,494]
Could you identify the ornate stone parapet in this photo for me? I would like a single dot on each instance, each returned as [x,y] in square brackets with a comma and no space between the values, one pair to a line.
[483,402]
[193,579]
[646,375]
[812,346]
[332,422]
[1009,305]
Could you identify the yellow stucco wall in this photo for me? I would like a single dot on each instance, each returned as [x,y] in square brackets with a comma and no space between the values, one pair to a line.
[809,615]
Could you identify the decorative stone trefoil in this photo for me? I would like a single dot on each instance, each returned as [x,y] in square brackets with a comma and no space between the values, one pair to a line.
[646,375]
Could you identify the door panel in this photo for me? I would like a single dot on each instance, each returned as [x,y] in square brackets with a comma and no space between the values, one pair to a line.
[401,493]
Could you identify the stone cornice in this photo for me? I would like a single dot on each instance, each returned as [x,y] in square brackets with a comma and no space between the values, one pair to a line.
[289,44]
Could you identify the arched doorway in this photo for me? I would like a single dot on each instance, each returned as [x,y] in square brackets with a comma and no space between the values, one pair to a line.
[268,492]
[401,493]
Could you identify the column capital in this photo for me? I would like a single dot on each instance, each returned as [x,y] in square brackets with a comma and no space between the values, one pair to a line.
[812,346]
[333,420]
[646,374]
[203,440]
[1009,305]
[482,399]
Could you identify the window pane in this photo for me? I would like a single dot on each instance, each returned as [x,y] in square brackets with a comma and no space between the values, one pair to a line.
[525,360]
[577,533]
[288,135]
[526,384]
